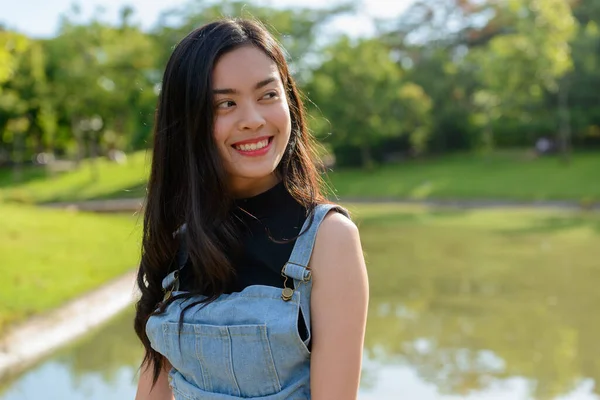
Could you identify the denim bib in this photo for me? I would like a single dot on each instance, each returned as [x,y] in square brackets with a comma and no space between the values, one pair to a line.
[243,345]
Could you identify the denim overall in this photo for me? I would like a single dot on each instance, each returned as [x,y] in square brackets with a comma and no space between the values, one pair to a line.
[244,345]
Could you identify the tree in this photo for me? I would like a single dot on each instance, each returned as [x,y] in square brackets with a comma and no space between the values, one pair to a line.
[429,39]
[26,112]
[584,79]
[12,48]
[515,69]
[296,28]
[361,92]
[12,45]
[442,23]
[103,78]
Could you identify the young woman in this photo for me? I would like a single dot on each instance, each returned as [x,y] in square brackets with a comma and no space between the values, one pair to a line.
[253,285]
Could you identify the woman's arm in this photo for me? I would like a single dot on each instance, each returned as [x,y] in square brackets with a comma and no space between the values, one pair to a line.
[339,302]
[160,391]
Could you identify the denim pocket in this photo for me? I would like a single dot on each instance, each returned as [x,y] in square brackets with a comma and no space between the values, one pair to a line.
[235,360]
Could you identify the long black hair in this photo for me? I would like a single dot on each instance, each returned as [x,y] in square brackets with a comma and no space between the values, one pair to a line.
[188,181]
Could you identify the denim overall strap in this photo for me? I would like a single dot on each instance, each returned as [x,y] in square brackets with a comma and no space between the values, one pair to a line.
[297,265]
[171,281]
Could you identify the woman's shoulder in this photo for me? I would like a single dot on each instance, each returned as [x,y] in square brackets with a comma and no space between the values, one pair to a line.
[338,250]
[336,231]
[334,212]
[337,226]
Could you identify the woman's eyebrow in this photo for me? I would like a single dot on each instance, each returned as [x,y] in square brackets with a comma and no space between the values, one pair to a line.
[259,85]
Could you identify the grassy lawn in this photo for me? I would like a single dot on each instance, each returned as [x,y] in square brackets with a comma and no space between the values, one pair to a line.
[115,181]
[505,175]
[50,256]
[510,176]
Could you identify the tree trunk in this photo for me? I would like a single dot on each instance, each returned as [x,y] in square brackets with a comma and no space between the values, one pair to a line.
[564,122]
[367,158]
[93,151]
[18,150]
[488,134]
[78,134]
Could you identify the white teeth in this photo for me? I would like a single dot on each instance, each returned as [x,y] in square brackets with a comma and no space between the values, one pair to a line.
[253,146]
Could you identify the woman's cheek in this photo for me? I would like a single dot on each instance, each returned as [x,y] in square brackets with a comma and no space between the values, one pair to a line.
[282,118]
[220,130]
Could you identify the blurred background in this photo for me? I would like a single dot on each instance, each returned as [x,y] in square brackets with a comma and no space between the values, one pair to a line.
[464,135]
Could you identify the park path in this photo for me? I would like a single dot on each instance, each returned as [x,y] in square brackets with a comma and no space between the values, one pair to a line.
[29,342]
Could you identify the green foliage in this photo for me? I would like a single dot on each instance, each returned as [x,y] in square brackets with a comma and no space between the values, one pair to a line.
[297,28]
[383,105]
[585,77]
[12,45]
[116,66]
[516,69]
[449,88]
[491,78]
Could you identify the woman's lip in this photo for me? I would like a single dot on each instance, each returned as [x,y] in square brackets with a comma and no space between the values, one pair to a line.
[257,152]
[250,141]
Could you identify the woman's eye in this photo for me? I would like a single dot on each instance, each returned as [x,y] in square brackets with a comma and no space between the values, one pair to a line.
[270,95]
[226,104]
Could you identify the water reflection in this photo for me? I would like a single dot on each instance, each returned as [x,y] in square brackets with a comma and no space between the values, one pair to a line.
[471,305]
[102,365]
[54,380]
[460,309]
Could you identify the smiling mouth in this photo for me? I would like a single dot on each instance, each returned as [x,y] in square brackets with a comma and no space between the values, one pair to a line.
[254,146]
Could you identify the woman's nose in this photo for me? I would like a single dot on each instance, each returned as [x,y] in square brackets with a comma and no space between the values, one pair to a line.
[251,118]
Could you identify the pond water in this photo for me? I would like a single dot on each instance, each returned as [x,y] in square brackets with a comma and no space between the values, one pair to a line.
[459,310]
[104,366]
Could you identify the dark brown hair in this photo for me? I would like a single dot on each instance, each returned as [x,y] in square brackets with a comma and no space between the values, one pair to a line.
[187,179]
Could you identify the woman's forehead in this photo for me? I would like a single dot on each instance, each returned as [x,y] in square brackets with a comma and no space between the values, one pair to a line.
[243,68]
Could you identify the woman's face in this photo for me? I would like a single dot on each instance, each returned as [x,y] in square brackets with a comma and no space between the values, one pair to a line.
[252,120]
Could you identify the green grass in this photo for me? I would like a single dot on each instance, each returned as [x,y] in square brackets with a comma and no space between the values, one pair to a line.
[509,176]
[502,176]
[51,256]
[115,181]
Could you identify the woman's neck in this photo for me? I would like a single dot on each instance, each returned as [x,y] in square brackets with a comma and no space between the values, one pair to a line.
[242,188]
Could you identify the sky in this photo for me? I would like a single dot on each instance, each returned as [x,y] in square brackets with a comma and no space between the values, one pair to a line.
[39,18]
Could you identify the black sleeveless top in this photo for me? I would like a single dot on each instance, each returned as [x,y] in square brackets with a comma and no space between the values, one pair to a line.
[266,222]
